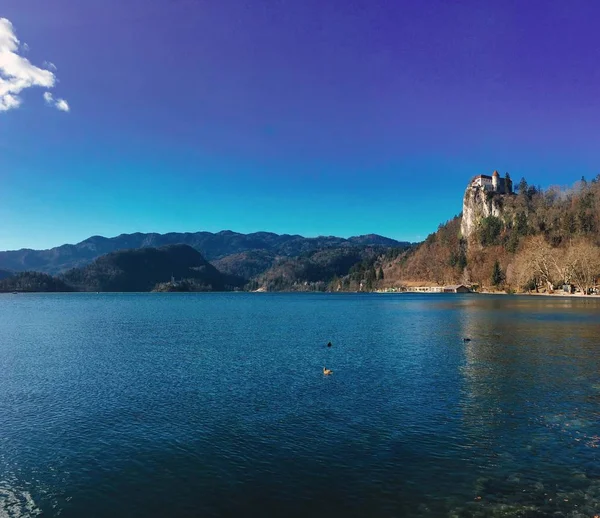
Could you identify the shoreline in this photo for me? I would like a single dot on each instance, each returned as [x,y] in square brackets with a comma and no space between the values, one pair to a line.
[377,292]
[534,294]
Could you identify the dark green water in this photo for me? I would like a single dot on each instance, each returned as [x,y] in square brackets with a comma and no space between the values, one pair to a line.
[184,405]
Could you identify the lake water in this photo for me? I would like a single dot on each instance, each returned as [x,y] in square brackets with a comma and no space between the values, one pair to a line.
[181,405]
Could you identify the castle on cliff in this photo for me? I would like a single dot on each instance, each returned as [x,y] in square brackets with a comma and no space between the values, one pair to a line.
[493,183]
[478,205]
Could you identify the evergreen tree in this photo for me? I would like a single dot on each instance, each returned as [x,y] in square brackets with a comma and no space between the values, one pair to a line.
[513,242]
[489,230]
[497,275]
[521,226]
[370,277]
[380,276]
[508,182]
[523,186]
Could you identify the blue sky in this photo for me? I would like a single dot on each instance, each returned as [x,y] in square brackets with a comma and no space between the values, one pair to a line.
[311,117]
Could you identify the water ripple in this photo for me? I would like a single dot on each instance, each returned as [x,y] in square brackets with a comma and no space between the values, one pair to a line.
[215,405]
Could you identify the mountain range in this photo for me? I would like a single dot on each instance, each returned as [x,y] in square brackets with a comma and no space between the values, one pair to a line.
[258,249]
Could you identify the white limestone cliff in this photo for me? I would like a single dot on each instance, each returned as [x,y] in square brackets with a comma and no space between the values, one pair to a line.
[478,204]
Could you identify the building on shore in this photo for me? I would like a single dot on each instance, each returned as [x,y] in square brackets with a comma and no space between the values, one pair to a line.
[455,288]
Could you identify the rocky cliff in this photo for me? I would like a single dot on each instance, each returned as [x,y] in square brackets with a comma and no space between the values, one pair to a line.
[477,205]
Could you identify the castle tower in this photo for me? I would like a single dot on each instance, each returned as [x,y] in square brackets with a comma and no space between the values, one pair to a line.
[495,181]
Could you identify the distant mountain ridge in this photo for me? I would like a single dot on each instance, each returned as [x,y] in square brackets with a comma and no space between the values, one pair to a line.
[212,246]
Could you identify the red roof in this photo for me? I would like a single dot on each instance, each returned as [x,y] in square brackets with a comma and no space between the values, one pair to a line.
[495,173]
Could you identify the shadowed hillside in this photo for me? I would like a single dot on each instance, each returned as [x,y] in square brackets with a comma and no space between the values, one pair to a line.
[143,269]
[33,282]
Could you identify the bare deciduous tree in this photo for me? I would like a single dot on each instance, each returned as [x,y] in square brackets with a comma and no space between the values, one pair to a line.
[583,264]
[536,261]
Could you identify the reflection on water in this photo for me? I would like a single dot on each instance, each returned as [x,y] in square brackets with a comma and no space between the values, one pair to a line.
[528,395]
[215,405]
[15,503]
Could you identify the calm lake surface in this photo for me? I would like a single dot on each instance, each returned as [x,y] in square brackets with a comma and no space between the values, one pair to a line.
[185,405]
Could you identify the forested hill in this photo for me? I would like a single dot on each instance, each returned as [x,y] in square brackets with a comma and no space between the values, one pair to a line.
[317,270]
[145,268]
[539,240]
[24,282]
[211,246]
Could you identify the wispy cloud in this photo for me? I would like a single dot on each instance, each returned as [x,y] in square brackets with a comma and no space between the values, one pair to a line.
[17,73]
[59,104]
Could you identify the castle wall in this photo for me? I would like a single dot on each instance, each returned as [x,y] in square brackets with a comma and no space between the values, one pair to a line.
[502,187]
[484,182]
[492,183]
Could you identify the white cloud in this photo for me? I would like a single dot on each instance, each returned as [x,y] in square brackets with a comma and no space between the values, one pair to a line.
[59,104]
[62,105]
[9,101]
[25,47]
[17,73]
[50,66]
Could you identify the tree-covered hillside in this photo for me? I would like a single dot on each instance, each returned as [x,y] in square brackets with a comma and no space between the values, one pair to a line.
[247,264]
[142,269]
[33,282]
[320,270]
[543,238]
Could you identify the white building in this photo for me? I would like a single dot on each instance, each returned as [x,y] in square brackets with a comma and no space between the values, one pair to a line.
[492,183]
